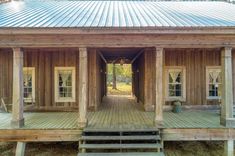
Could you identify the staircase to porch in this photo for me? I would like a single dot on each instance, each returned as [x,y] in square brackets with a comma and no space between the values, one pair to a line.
[121,143]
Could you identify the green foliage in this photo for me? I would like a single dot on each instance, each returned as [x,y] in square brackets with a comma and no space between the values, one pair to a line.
[123,73]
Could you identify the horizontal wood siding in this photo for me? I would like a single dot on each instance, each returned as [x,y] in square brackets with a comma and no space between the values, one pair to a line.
[195,61]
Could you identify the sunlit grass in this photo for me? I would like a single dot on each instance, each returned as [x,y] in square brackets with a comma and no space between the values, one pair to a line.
[122,89]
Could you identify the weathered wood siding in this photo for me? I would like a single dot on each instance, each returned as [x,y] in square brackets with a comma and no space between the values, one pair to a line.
[6,74]
[195,61]
[138,77]
[97,79]
[233,64]
[149,78]
[44,60]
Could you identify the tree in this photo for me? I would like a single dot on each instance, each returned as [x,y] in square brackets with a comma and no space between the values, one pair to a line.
[114,77]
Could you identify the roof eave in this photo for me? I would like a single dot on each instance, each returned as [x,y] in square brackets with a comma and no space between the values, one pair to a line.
[116,30]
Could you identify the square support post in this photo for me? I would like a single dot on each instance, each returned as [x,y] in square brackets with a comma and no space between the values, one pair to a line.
[228,148]
[20,149]
[159,87]
[18,104]
[83,87]
[227,88]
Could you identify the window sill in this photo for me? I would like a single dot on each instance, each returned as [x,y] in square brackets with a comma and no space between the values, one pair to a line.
[213,98]
[65,100]
[29,100]
[175,99]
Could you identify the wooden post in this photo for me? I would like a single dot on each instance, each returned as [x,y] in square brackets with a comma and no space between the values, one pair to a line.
[83,87]
[227,87]
[228,148]
[20,149]
[18,105]
[159,86]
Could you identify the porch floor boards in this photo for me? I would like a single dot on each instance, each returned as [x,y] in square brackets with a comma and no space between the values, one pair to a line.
[115,113]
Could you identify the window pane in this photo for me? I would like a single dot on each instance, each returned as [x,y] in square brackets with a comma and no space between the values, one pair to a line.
[65,83]
[178,86]
[178,93]
[170,78]
[27,84]
[178,79]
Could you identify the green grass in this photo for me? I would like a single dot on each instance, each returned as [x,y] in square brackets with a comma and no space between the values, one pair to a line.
[122,89]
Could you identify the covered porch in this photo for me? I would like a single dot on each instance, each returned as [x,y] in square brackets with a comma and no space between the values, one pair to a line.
[116,113]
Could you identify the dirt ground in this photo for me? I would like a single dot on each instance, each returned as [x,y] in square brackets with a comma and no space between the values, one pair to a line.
[70,149]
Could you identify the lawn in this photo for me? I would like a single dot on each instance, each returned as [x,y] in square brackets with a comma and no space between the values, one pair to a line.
[122,89]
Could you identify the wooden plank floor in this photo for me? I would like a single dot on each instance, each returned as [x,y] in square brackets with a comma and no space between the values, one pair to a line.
[115,113]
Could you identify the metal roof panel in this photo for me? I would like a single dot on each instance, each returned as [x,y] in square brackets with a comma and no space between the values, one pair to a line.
[101,14]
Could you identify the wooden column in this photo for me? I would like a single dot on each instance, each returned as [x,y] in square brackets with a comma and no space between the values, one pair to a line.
[83,87]
[159,86]
[228,148]
[20,149]
[18,105]
[148,80]
[227,87]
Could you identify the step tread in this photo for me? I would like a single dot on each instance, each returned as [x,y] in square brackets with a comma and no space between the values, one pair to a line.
[120,146]
[130,137]
[123,154]
[120,130]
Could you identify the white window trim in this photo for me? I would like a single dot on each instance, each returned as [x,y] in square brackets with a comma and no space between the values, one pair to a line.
[31,69]
[65,99]
[207,82]
[172,68]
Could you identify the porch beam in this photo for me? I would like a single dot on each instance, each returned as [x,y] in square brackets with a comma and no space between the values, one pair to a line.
[137,56]
[227,88]
[159,86]
[18,105]
[83,87]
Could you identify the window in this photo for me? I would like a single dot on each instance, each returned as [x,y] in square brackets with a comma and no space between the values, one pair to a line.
[29,84]
[64,84]
[175,83]
[214,82]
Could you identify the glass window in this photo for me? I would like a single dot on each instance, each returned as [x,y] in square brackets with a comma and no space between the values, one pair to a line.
[175,83]
[65,84]
[214,82]
[29,84]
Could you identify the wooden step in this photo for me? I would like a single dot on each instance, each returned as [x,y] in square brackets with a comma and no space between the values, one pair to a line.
[123,154]
[131,137]
[120,146]
[120,130]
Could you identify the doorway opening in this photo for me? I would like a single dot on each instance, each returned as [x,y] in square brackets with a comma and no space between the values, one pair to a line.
[119,78]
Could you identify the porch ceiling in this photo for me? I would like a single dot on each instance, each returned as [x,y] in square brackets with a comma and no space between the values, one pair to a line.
[115,54]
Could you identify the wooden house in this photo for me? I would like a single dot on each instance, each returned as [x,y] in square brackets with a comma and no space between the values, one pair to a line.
[53,67]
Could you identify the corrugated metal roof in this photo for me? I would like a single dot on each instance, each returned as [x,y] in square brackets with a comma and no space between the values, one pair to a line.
[30,14]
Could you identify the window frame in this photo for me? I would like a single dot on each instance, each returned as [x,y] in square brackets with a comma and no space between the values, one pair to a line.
[56,84]
[183,94]
[208,68]
[32,70]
